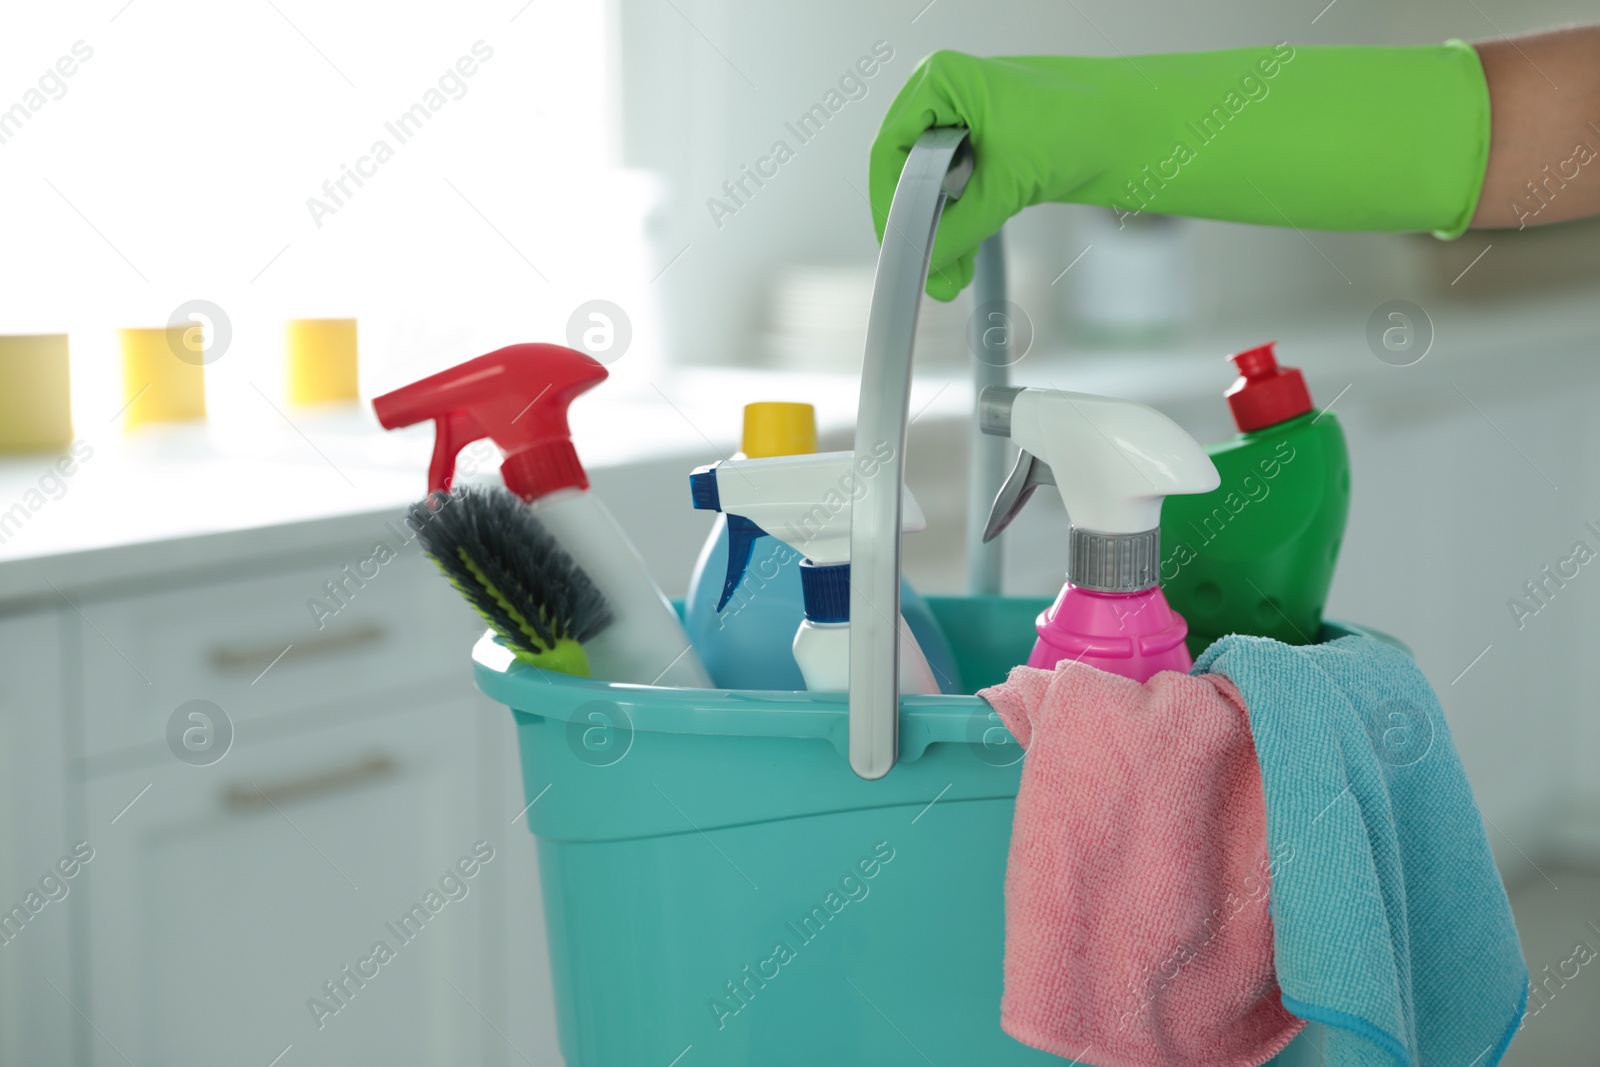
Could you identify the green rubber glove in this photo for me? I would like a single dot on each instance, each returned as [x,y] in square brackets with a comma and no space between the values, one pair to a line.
[1387,139]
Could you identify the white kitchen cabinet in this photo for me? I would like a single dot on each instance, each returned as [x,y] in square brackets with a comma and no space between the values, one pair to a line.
[37,1024]
[251,644]
[222,898]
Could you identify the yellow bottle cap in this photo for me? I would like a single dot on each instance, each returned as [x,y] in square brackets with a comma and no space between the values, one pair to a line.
[779,428]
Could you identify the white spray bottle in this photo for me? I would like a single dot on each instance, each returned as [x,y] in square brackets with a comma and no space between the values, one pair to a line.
[804,501]
[1114,461]
[517,397]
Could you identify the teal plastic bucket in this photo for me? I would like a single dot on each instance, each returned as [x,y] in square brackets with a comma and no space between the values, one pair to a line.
[716,879]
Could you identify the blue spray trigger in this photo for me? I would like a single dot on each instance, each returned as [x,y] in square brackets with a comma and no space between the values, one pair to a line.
[742,534]
[703,488]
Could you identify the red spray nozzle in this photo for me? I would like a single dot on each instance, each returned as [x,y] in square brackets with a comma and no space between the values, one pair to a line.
[1265,394]
[516,396]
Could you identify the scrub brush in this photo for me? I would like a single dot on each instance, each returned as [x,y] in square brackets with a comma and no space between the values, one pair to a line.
[509,567]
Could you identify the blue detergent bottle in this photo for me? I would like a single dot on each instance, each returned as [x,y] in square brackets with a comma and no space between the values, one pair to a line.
[748,643]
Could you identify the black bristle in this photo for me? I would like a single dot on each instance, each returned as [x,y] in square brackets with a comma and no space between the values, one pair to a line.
[518,556]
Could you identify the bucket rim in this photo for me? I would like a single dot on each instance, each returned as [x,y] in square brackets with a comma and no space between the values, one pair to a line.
[778,714]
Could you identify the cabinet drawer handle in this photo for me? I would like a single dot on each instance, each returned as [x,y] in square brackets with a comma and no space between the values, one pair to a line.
[253,659]
[247,798]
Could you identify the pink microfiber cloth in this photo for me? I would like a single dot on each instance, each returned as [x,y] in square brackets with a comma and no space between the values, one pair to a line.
[1137,930]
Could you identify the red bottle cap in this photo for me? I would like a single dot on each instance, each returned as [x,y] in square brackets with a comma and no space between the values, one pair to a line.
[1265,394]
[516,396]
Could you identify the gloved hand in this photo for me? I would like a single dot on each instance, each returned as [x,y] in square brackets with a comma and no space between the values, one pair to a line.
[1387,139]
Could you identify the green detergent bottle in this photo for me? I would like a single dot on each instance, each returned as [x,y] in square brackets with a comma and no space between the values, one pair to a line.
[1256,555]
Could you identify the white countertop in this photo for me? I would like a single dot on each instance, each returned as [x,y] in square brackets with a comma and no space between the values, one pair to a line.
[187,497]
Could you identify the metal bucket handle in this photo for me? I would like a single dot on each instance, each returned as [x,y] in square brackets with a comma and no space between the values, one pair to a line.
[936,172]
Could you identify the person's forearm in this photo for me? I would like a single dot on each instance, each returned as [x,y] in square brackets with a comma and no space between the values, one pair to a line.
[1544,148]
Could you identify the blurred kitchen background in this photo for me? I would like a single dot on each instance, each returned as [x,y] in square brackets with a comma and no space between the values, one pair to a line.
[196,153]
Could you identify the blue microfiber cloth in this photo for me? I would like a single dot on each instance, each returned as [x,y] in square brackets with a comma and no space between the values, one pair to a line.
[1391,925]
